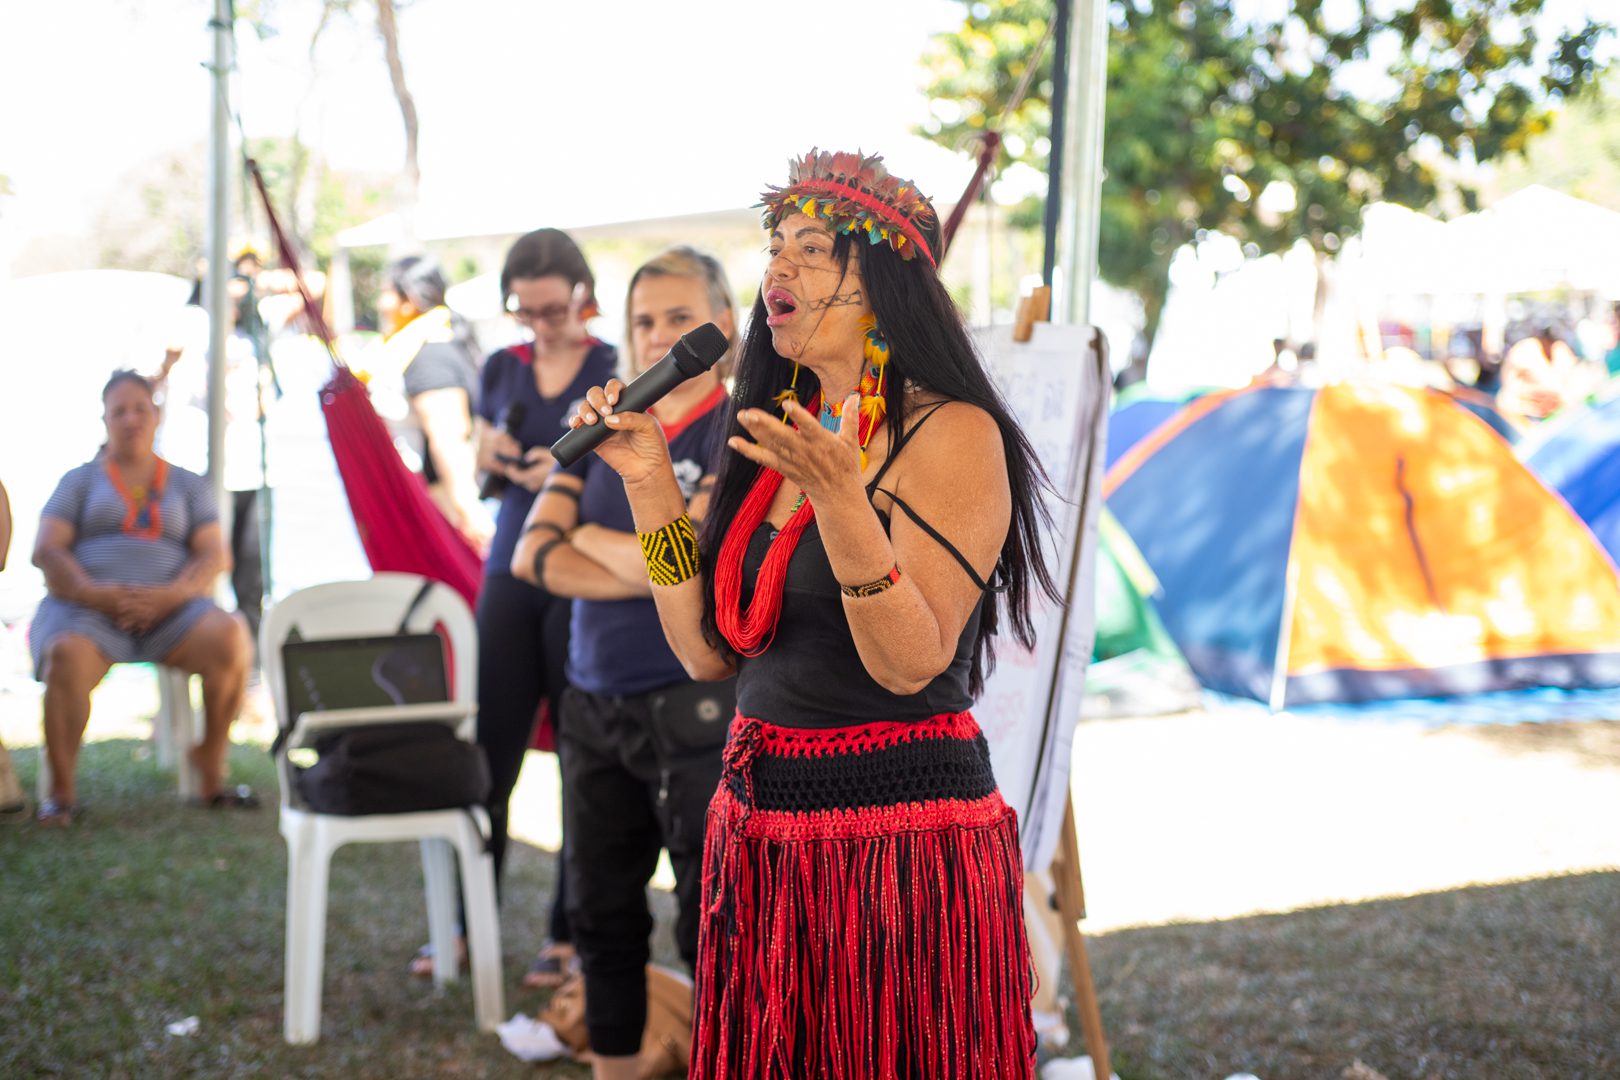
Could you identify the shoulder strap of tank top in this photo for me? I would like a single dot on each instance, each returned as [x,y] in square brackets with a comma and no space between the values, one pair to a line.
[899,445]
[938,538]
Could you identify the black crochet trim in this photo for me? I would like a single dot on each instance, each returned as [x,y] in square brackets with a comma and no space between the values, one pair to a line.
[919,770]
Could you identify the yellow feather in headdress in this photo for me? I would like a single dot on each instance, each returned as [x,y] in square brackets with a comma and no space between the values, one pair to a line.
[809,207]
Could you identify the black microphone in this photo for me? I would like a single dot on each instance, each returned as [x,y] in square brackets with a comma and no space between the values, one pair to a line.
[511,421]
[694,354]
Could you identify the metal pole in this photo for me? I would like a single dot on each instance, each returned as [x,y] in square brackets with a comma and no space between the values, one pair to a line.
[219,303]
[1080,194]
[1054,158]
[1086,88]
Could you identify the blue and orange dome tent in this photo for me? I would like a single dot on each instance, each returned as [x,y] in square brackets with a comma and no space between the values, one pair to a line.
[1359,542]
[1579,457]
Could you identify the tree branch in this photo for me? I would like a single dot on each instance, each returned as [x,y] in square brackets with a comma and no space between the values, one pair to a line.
[388,27]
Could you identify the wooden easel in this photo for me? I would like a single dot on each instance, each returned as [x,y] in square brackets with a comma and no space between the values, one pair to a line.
[1068,892]
[1070,895]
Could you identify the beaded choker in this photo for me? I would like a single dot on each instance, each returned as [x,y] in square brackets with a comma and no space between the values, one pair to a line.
[873,385]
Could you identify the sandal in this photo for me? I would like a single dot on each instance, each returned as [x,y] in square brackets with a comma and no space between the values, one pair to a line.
[551,966]
[240,797]
[57,815]
[421,966]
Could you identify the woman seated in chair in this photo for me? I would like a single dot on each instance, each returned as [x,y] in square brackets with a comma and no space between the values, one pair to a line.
[131,548]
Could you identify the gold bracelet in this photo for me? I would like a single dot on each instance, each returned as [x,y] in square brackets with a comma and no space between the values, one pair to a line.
[671,552]
[872,588]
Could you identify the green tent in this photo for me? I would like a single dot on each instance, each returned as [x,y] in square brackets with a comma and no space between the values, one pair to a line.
[1126,621]
[1136,669]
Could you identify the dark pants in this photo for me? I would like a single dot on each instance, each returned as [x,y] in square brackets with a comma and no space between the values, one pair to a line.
[247,567]
[638,774]
[522,652]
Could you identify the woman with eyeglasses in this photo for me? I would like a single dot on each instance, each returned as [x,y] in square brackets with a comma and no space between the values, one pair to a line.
[528,393]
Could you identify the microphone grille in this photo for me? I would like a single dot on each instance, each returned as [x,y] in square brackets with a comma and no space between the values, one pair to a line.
[706,344]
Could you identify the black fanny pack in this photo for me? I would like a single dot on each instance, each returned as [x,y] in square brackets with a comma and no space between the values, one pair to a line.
[393,769]
[691,719]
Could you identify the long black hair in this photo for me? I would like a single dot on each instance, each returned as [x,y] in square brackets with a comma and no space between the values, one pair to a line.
[929,348]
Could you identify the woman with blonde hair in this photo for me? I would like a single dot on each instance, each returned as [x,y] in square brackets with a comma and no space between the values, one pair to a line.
[639,741]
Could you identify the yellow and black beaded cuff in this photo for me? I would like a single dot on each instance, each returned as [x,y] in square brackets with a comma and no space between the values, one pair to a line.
[872,588]
[671,552]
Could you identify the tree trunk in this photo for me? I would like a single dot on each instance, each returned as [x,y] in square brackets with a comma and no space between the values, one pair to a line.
[1319,301]
[388,27]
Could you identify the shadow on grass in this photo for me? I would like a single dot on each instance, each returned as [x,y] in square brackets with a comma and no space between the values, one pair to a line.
[1595,743]
[149,911]
[1498,981]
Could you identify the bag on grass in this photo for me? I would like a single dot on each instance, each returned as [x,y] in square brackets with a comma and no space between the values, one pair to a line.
[393,769]
[666,1044]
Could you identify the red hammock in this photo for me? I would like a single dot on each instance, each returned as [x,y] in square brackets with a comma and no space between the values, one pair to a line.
[400,527]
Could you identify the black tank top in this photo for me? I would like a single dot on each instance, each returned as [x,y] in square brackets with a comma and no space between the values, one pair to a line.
[812,675]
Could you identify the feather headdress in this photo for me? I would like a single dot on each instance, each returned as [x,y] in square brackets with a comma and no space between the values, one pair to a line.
[858,197]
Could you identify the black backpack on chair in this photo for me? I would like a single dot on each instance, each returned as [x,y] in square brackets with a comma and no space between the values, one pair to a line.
[379,768]
[393,769]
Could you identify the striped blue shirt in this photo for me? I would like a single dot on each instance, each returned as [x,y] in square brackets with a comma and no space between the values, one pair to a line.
[87,500]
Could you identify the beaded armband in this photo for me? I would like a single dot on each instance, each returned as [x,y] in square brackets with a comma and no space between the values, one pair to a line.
[872,588]
[671,552]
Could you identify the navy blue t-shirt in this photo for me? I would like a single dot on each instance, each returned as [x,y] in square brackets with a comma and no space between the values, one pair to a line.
[618,646]
[509,377]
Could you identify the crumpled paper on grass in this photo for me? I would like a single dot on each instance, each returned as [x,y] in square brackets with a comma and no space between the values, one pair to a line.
[529,1039]
[1079,1068]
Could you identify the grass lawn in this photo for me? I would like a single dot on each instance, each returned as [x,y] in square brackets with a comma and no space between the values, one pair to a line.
[1496,982]
[149,912]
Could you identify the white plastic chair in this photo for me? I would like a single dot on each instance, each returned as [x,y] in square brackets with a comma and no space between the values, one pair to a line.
[349,609]
[176,728]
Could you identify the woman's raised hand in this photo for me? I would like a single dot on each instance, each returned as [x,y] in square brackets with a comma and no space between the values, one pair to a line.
[821,463]
[637,449]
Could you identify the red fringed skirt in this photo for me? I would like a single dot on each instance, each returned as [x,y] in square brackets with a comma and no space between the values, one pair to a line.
[863,909]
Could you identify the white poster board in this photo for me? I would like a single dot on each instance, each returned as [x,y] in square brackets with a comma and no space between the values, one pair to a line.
[1058,387]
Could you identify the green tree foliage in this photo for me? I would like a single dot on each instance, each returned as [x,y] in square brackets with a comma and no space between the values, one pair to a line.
[1332,106]
[1578,155]
[154,216]
[314,202]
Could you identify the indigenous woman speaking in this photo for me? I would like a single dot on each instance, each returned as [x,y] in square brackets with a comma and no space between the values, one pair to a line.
[876,519]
